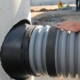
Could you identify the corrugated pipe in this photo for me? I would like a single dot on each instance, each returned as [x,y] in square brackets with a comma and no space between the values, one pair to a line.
[41,50]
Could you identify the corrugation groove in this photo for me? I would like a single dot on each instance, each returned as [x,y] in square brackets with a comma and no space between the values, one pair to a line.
[59,52]
[56,53]
[44,51]
[71,54]
[63,53]
[78,55]
[67,52]
[39,58]
[36,53]
[35,49]
[31,50]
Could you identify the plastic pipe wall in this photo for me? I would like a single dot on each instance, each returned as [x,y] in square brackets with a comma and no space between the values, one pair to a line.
[41,50]
[61,47]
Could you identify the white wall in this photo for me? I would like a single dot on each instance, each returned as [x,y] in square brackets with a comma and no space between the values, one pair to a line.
[11,12]
[48,2]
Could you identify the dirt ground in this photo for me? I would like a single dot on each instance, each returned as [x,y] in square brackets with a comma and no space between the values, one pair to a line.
[51,18]
[47,7]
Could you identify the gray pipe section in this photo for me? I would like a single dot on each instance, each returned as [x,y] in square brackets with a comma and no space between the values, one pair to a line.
[67,58]
[44,51]
[67,52]
[37,50]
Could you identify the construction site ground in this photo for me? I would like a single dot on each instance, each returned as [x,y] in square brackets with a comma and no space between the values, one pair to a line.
[51,18]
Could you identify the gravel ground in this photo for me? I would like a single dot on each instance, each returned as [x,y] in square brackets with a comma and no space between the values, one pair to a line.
[52,17]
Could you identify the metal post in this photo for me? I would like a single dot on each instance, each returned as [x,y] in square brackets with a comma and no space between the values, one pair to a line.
[79,5]
[76,5]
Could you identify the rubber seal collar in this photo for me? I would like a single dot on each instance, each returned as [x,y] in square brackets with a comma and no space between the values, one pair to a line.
[50,52]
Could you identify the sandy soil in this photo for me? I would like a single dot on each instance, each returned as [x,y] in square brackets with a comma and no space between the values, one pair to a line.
[37,8]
